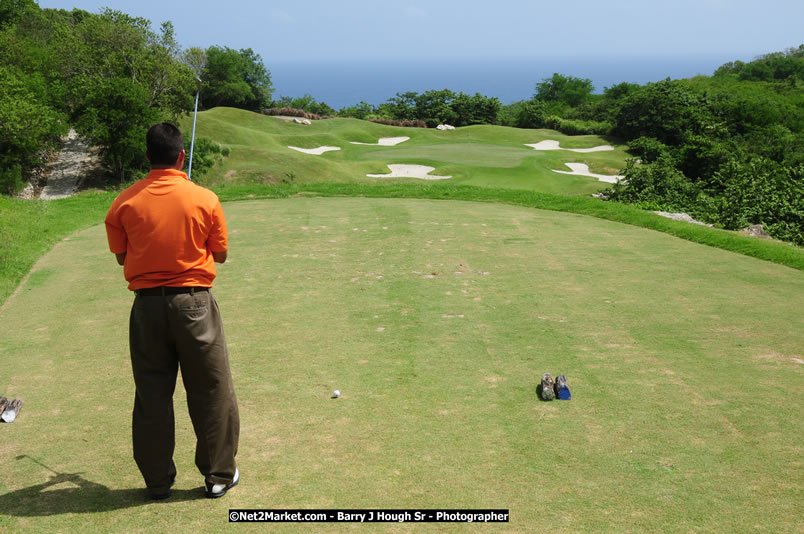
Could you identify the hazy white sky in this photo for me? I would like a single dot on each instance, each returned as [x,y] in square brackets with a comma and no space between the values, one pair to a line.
[353,29]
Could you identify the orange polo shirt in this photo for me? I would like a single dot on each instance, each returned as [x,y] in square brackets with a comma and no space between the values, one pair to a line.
[168,227]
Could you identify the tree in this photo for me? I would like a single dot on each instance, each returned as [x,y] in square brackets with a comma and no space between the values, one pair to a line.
[435,107]
[567,90]
[236,79]
[195,58]
[401,107]
[531,115]
[115,116]
[27,125]
[731,67]
[119,78]
[168,80]
[477,109]
[664,110]
[654,185]
[12,11]
[776,66]
[361,111]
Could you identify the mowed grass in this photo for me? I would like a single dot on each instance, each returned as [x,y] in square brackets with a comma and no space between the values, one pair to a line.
[436,320]
[490,156]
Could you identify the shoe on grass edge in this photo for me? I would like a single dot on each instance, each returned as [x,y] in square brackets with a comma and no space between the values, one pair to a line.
[213,491]
[162,496]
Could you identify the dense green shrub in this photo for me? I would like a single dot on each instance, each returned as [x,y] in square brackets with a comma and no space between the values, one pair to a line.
[363,110]
[763,192]
[206,153]
[11,181]
[438,107]
[769,67]
[306,104]
[648,149]
[659,184]
[700,156]
[28,124]
[291,112]
[568,90]
[577,127]
[531,114]
[759,191]
[665,110]
[404,124]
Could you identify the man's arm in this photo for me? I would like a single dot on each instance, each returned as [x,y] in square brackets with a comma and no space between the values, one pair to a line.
[121,258]
[218,238]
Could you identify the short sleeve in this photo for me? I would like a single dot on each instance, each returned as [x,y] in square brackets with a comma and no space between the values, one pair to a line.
[218,240]
[118,241]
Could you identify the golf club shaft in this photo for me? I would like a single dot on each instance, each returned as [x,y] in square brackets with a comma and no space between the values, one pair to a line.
[192,140]
[20,457]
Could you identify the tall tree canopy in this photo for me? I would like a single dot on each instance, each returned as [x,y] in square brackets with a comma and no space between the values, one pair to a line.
[108,74]
[568,90]
[236,79]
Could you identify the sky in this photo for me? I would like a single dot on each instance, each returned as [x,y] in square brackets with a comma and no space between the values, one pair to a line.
[326,30]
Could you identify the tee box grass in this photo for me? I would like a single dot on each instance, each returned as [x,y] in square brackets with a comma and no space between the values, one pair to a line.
[435,320]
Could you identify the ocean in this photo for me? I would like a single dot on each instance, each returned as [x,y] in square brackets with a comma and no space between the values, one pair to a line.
[345,83]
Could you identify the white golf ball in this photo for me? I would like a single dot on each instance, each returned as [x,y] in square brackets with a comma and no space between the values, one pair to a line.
[336,393]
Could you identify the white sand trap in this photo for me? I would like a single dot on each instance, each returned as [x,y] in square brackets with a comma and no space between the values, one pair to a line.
[582,169]
[554,145]
[385,141]
[410,171]
[315,151]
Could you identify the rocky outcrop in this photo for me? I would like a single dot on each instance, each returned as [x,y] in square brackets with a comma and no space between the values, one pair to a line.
[72,163]
[756,230]
[684,217]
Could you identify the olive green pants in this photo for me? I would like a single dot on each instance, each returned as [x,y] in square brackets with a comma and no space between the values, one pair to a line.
[167,333]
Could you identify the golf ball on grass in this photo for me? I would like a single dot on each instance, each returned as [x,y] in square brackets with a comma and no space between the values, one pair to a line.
[336,393]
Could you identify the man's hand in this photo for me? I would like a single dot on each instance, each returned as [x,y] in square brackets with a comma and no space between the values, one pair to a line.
[121,258]
[220,257]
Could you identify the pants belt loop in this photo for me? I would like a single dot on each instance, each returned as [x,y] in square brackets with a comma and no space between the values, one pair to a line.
[163,291]
[192,291]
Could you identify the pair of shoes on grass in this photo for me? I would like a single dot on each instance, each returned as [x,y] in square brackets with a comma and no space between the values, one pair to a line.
[211,491]
[9,410]
[549,389]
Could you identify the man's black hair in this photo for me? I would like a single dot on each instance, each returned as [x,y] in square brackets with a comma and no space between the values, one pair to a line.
[164,142]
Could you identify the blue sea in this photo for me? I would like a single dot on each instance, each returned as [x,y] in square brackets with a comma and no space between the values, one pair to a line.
[345,83]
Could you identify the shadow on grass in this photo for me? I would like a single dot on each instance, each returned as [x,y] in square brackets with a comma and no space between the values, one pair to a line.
[85,497]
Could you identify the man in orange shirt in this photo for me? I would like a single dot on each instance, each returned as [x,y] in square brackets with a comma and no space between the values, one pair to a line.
[167,233]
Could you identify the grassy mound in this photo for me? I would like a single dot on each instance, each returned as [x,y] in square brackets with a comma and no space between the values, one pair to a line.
[486,156]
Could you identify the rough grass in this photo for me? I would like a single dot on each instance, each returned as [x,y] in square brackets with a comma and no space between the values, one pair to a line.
[435,320]
[29,228]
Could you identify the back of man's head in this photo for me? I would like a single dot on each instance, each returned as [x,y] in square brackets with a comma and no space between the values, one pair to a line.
[164,142]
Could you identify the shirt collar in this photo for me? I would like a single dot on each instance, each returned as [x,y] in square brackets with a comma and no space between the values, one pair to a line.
[165,173]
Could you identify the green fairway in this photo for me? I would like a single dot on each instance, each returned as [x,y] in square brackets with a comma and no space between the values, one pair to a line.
[493,156]
[436,320]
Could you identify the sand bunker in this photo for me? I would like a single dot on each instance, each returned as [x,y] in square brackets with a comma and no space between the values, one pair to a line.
[410,171]
[582,169]
[316,151]
[385,141]
[554,145]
